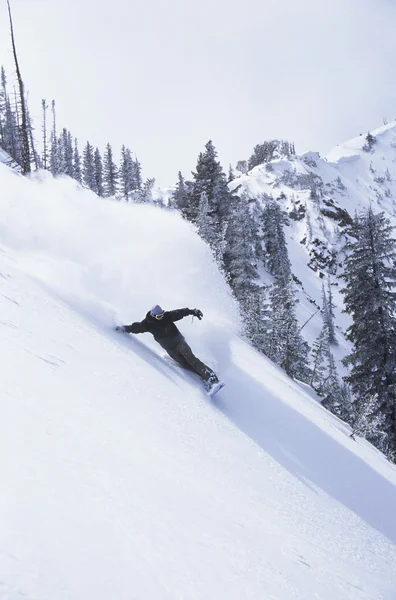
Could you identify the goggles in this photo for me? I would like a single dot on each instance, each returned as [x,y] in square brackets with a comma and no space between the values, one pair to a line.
[158,317]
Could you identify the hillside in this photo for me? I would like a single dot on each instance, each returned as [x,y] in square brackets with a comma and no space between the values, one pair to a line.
[320,195]
[120,478]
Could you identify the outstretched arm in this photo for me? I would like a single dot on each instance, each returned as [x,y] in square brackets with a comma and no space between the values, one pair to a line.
[138,327]
[180,313]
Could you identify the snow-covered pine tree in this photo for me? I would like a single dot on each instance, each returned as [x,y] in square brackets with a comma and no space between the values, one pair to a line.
[369,421]
[242,167]
[347,408]
[65,153]
[240,260]
[137,181]
[209,178]
[231,174]
[126,173]
[331,391]
[286,346]
[110,173]
[204,221]
[255,311]
[370,142]
[89,167]
[77,171]
[324,377]
[370,300]
[98,168]
[145,194]
[319,352]
[268,150]
[180,197]
[328,313]
[220,204]
[276,258]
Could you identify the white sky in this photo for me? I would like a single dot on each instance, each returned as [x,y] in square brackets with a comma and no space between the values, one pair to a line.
[165,76]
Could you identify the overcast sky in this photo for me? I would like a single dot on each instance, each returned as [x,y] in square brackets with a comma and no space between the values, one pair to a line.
[164,76]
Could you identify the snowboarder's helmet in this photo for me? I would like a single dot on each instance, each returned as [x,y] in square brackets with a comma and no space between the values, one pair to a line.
[157,312]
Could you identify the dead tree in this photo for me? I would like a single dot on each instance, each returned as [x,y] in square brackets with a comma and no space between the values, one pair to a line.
[25,150]
[45,148]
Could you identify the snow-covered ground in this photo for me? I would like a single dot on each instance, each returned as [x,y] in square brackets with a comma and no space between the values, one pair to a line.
[120,478]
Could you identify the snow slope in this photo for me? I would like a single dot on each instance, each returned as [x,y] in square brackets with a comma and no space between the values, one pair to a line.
[120,478]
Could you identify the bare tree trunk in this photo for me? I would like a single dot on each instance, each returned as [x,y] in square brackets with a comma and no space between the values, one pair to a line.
[25,151]
[31,140]
[45,149]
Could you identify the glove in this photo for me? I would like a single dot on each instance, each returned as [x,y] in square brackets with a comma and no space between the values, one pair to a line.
[197,313]
[119,328]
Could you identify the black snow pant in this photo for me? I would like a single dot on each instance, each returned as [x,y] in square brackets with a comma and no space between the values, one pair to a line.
[183,355]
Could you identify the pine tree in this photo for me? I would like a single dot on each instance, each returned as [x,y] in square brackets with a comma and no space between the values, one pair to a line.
[110,173]
[204,221]
[267,151]
[324,377]
[328,313]
[255,310]
[286,346]
[145,194]
[332,390]
[274,242]
[370,299]
[180,197]
[231,175]
[240,259]
[89,167]
[77,171]
[347,413]
[65,153]
[319,352]
[369,421]
[209,178]
[370,142]
[98,169]
[136,175]
[126,173]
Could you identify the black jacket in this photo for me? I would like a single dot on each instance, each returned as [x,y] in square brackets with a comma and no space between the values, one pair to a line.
[164,330]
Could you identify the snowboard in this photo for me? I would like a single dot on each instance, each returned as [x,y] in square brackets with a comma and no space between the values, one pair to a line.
[215,389]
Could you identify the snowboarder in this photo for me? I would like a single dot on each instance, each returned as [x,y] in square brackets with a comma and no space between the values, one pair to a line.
[161,324]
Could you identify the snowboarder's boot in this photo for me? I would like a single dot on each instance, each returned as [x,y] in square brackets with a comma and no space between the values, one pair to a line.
[213,385]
